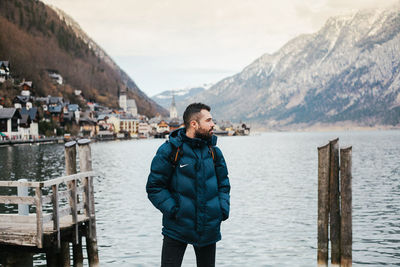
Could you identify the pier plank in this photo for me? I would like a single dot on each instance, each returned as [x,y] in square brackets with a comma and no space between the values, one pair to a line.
[49,182]
[17,200]
[19,183]
[68,178]
[15,218]
[25,234]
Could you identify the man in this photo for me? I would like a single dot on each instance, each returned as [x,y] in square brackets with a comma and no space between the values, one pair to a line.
[189,184]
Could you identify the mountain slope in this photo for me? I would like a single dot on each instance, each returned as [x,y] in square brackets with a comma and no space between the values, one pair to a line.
[164,99]
[35,38]
[347,71]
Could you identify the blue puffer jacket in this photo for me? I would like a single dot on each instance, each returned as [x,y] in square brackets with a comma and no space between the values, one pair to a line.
[192,199]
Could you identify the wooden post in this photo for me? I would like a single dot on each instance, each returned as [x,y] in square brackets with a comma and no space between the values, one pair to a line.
[64,259]
[74,211]
[39,217]
[85,163]
[77,252]
[323,204]
[334,211]
[70,158]
[56,218]
[70,168]
[22,191]
[346,200]
[52,257]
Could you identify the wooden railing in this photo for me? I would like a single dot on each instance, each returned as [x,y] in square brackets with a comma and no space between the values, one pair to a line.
[78,191]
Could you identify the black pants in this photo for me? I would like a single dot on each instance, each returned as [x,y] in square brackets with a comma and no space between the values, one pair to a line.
[173,251]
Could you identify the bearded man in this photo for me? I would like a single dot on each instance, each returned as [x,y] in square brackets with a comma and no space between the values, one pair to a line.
[189,184]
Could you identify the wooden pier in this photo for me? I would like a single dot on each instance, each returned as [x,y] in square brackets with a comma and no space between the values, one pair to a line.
[47,140]
[62,213]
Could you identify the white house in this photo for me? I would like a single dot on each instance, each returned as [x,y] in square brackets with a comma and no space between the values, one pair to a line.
[9,122]
[29,126]
[162,127]
[115,120]
[144,129]
[130,125]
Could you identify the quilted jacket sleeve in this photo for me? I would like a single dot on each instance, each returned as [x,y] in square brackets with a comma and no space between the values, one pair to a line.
[158,182]
[223,183]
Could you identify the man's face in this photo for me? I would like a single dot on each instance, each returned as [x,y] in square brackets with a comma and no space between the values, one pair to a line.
[205,125]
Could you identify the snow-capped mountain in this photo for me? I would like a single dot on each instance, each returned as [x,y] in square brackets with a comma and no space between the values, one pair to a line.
[347,71]
[164,99]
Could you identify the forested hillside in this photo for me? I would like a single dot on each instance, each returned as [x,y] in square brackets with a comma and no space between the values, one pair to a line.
[35,39]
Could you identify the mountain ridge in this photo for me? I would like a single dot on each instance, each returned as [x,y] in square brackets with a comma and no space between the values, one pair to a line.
[164,98]
[35,39]
[346,71]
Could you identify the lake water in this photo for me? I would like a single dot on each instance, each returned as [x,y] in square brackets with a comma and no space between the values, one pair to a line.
[273,220]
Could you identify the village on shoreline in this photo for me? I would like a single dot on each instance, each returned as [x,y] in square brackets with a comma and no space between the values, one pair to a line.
[40,119]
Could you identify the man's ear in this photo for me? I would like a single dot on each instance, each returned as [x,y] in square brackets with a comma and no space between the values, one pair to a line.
[193,123]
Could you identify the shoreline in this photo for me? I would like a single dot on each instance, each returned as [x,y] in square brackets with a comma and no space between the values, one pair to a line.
[321,127]
[47,140]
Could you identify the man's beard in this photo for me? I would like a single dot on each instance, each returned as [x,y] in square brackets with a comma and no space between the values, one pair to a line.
[203,134]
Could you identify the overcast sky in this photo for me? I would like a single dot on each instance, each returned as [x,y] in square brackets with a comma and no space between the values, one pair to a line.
[172,44]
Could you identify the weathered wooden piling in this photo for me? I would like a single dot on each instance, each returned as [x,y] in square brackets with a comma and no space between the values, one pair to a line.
[346,238]
[70,164]
[85,164]
[334,205]
[70,169]
[77,252]
[64,258]
[39,216]
[323,204]
[334,212]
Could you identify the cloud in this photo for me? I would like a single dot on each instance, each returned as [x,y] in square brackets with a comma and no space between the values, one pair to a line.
[318,11]
[359,4]
[207,35]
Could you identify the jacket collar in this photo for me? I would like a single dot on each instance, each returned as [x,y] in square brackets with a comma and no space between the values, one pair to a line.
[179,136]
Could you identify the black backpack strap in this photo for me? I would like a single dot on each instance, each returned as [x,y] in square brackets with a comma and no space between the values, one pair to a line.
[175,156]
[213,154]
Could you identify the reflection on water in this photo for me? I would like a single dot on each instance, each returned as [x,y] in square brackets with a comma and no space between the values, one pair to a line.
[273,219]
[32,162]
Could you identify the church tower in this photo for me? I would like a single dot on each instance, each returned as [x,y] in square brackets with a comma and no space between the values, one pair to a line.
[173,114]
[122,100]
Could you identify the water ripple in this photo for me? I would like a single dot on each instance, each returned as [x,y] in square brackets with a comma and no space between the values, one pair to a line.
[273,218]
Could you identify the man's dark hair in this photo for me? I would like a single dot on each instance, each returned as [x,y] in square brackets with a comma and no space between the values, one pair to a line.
[193,110]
